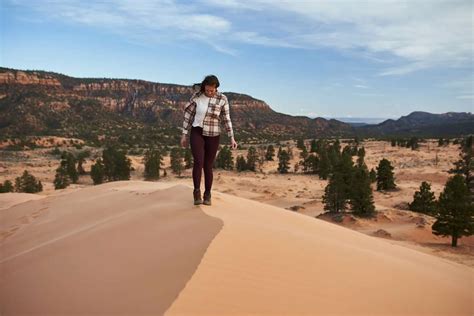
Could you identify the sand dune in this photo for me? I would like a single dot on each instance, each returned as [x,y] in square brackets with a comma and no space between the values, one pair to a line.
[142,248]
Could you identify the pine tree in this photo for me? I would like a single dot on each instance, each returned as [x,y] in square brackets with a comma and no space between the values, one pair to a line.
[270,153]
[304,153]
[98,172]
[361,157]
[311,164]
[296,167]
[345,167]
[68,162]
[176,160]
[81,158]
[289,151]
[372,175]
[241,164]
[116,164]
[424,200]
[413,143]
[324,169]
[300,143]
[361,198]
[251,158]
[188,158]
[27,183]
[455,215]
[465,165]
[284,161]
[153,161]
[337,146]
[7,186]
[314,147]
[335,196]
[224,159]
[385,177]
[61,179]
[261,154]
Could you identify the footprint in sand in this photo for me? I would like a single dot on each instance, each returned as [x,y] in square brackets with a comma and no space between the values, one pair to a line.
[5,234]
[38,212]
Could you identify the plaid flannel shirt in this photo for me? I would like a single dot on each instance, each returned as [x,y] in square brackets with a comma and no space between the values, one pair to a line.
[217,109]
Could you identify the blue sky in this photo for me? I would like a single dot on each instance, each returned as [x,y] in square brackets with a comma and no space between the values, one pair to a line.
[314,58]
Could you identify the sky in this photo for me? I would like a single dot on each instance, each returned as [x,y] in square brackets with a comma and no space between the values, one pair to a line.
[335,58]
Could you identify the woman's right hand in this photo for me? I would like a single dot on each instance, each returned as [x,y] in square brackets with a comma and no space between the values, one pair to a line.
[184,141]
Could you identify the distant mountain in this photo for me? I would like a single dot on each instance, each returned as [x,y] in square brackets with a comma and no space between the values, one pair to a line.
[135,111]
[423,124]
[359,121]
[138,112]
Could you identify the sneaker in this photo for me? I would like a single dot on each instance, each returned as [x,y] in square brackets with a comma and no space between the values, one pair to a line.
[207,198]
[197,196]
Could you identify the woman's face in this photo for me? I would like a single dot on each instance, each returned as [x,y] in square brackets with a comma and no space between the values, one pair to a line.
[210,91]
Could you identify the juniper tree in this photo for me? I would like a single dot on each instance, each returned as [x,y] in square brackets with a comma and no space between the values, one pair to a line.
[385,177]
[455,216]
[424,200]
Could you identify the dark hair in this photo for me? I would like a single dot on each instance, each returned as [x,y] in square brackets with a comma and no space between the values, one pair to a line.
[210,80]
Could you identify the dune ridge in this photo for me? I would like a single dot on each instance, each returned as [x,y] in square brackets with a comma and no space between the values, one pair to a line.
[143,248]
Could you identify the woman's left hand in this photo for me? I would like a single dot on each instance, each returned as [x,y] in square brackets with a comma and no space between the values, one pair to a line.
[233,143]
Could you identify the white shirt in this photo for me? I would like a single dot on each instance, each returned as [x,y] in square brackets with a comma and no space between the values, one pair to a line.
[201,108]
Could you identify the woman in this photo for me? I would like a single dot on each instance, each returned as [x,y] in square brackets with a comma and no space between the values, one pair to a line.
[202,115]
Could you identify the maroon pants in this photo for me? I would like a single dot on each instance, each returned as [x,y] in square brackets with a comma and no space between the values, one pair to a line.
[204,149]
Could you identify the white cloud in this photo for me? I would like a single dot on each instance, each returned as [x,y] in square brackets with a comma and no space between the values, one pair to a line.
[420,34]
[137,19]
[400,36]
